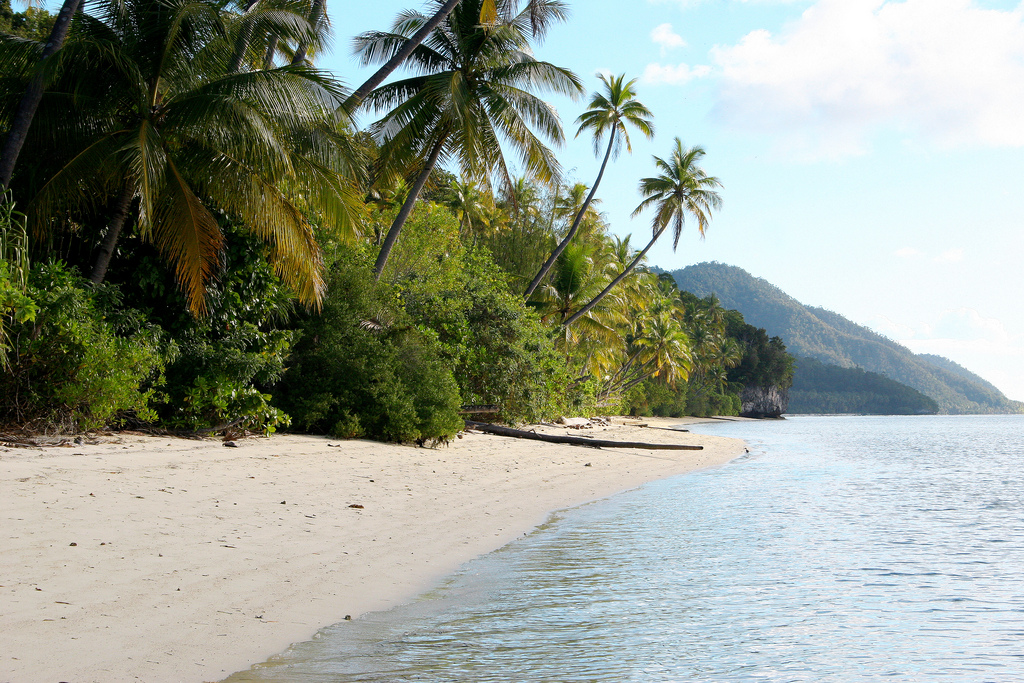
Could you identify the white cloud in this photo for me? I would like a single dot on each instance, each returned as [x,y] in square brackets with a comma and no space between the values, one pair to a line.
[954,255]
[678,74]
[664,36]
[968,325]
[944,70]
[685,4]
[970,338]
[950,256]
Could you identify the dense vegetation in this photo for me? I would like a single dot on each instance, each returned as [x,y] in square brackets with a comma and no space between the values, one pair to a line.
[196,236]
[829,389]
[832,339]
[730,355]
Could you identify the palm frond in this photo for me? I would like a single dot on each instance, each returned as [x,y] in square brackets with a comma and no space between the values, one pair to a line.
[188,236]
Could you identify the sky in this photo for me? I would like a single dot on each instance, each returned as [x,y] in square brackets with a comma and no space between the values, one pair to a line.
[871,152]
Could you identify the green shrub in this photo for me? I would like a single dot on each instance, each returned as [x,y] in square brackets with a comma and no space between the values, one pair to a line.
[84,362]
[362,369]
[653,397]
[224,363]
[16,307]
[708,404]
[498,349]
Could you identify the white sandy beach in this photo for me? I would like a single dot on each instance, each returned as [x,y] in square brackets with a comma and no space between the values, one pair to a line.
[157,559]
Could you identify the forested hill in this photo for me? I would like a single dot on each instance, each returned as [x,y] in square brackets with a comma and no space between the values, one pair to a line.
[830,389]
[831,338]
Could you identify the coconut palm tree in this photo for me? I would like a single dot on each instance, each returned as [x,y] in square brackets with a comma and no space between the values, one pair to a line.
[23,116]
[474,92]
[594,343]
[490,12]
[259,26]
[166,139]
[609,112]
[470,204]
[520,238]
[681,188]
[657,346]
[572,207]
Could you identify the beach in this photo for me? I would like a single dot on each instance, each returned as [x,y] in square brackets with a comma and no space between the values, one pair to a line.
[142,558]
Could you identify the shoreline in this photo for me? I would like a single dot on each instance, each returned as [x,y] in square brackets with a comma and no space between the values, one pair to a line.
[159,559]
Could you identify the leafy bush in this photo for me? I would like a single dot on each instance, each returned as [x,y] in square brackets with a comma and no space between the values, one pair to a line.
[499,351]
[84,362]
[224,363]
[657,398]
[708,404]
[362,369]
[16,308]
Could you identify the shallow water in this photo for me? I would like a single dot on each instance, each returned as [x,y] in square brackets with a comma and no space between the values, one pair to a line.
[840,549]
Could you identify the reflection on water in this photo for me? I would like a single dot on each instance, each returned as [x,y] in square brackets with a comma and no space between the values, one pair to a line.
[843,549]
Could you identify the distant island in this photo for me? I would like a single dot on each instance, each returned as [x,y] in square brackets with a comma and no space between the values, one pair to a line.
[825,343]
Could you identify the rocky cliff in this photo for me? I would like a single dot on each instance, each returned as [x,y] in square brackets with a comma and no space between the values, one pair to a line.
[763,401]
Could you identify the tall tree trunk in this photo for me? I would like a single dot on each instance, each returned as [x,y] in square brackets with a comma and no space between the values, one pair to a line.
[316,12]
[26,111]
[619,278]
[356,98]
[406,210]
[106,249]
[575,223]
[268,58]
[243,41]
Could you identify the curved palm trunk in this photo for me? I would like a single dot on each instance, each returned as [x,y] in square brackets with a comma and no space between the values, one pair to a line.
[619,278]
[316,12]
[106,249]
[356,98]
[243,41]
[406,210]
[33,94]
[575,224]
[268,58]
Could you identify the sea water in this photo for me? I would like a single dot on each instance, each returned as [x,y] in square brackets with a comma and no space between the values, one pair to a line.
[840,549]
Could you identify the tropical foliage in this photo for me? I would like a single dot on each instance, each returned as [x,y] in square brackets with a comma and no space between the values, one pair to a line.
[473,93]
[198,237]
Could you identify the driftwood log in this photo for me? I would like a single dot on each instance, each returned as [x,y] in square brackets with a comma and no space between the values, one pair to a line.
[577,440]
[479,409]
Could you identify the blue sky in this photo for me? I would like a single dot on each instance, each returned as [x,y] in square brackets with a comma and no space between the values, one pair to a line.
[870,150]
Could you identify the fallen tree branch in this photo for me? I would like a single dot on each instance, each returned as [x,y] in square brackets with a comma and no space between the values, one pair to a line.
[479,409]
[17,444]
[576,440]
[219,428]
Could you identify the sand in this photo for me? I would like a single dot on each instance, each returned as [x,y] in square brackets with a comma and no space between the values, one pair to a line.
[159,559]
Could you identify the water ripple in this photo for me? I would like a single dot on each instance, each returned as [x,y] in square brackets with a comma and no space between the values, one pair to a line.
[842,549]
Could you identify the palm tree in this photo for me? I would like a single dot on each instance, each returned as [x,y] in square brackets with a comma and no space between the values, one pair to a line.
[577,275]
[609,112]
[260,25]
[681,188]
[317,14]
[166,139]
[490,12]
[29,104]
[657,346]
[520,238]
[573,206]
[469,204]
[473,93]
